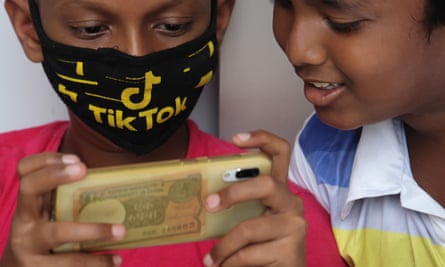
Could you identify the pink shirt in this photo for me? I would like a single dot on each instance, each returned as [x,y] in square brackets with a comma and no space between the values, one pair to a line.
[321,248]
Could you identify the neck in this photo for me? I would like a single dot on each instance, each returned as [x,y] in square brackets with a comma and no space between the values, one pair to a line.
[426,146]
[97,151]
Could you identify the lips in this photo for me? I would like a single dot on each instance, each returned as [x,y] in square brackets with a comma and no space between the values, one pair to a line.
[322,94]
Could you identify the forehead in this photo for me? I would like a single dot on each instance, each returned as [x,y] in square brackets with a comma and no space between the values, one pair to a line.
[117,3]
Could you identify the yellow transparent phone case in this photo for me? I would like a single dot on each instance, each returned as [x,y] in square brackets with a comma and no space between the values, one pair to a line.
[159,202]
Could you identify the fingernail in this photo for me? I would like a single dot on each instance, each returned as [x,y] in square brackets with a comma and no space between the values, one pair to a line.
[73,170]
[213,201]
[208,261]
[118,231]
[243,136]
[117,260]
[70,159]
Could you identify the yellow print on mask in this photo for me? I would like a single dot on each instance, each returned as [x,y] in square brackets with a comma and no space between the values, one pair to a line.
[150,80]
[205,79]
[117,119]
[209,45]
[121,118]
[79,69]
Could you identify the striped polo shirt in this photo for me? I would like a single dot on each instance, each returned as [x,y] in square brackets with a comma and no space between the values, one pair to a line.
[380,215]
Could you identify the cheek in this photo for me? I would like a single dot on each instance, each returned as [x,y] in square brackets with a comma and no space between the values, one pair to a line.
[376,60]
[378,85]
[382,85]
[387,56]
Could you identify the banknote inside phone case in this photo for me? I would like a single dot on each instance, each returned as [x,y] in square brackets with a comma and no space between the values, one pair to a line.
[159,202]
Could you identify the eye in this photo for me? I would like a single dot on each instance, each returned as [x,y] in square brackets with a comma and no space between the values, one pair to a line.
[345,27]
[89,32]
[173,29]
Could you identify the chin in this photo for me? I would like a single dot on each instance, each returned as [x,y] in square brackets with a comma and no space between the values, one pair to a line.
[340,120]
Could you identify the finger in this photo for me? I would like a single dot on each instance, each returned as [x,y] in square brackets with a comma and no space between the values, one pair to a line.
[272,194]
[260,255]
[46,179]
[35,186]
[245,243]
[35,162]
[80,260]
[276,147]
[54,234]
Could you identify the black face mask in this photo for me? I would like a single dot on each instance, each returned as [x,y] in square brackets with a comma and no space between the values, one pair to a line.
[137,102]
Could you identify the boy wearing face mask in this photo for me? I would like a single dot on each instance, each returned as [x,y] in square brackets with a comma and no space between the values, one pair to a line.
[130,73]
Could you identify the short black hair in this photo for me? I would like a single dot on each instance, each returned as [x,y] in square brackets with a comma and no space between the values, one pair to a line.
[434,15]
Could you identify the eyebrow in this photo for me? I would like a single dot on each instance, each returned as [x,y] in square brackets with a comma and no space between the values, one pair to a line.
[341,4]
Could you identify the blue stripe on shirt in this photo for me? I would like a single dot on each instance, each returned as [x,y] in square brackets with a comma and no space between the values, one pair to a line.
[330,152]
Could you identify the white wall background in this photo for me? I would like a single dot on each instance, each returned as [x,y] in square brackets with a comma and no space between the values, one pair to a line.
[258,88]
[26,98]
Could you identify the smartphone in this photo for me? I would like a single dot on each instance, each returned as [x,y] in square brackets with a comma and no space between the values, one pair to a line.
[159,202]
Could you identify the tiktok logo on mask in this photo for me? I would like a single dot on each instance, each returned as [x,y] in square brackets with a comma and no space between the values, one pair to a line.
[117,118]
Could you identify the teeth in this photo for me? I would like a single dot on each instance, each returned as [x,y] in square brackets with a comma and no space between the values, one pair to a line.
[326,86]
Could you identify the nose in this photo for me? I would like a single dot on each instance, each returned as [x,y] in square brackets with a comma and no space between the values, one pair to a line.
[134,42]
[304,45]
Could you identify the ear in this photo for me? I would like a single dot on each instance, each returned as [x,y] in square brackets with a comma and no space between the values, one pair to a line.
[20,17]
[225,8]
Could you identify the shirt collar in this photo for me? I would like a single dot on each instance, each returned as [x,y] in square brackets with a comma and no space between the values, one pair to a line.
[384,169]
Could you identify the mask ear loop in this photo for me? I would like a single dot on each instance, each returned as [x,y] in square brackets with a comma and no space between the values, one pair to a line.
[37,21]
